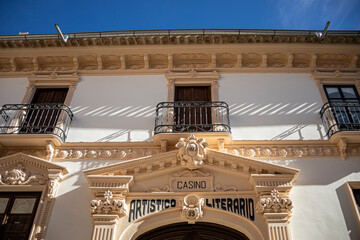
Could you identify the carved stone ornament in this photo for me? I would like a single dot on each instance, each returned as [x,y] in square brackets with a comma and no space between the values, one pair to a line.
[191,210]
[108,205]
[192,151]
[275,203]
[52,188]
[20,176]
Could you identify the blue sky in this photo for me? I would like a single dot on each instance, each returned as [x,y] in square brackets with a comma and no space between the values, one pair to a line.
[39,16]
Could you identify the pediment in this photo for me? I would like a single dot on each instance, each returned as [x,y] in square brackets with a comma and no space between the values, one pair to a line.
[165,162]
[23,169]
[221,172]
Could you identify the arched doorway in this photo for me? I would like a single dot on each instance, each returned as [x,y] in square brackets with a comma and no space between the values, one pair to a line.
[198,231]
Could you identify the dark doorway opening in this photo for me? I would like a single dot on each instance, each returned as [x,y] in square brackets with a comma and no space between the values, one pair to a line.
[44,110]
[198,231]
[192,111]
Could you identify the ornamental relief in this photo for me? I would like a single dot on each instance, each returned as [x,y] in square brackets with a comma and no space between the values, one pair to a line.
[267,152]
[274,204]
[108,205]
[192,208]
[192,151]
[20,176]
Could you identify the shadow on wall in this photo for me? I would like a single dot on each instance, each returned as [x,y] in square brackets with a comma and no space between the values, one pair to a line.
[129,118]
[300,115]
[349,214]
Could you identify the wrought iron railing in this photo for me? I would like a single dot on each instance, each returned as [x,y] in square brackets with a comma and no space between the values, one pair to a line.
[340,116]
[178,117]
[35,119]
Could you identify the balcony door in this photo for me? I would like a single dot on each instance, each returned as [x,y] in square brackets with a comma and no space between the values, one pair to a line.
[344,101]
[192,109]
[42,113]
[17,212]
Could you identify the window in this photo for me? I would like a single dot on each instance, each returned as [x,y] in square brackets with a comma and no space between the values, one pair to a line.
[354,191]
[17,212]
[344,102]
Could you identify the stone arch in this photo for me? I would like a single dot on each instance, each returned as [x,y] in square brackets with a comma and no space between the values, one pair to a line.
[212,216]
[199,230]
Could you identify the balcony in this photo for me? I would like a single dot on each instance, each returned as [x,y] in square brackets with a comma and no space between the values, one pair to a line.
[34,124]
[339,116]
[183,117]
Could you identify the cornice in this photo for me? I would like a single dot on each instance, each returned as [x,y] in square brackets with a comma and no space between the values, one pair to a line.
[177,37]
[279,149]
[150,59]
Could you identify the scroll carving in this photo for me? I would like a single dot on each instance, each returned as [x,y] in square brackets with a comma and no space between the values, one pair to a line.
[275,203]
[192,151]
[20,176]
[191,210]
[108,205]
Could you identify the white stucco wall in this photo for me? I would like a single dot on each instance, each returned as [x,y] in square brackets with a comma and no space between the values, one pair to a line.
[272,106]
[116,108]
[122,108]
[12,90]
[71,217]
[321,200]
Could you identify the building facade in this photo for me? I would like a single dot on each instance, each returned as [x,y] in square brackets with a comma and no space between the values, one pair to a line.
[180,134]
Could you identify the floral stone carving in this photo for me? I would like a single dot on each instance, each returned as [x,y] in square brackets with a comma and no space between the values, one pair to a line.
[275,203]
[20,176]
[192,151]
[191,210]
[108,205]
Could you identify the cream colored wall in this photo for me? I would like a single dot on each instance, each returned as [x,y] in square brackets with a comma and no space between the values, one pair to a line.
[322,204]
[272,106]
[12,90]
[116,108]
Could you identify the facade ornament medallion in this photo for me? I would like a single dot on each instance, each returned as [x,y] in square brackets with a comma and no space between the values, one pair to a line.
[20,176]
[192,151]
[192,208]
[108,205]
[274,204]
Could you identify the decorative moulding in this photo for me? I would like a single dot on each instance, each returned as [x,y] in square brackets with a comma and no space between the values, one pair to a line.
[108,205]
[116,184]
[20,176]
[31,161]
[21,172]
[274,203]
[192,151]
[192,208]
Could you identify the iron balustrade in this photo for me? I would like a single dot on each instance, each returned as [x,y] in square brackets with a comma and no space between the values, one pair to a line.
[186,116]
[340,116]
[35,119]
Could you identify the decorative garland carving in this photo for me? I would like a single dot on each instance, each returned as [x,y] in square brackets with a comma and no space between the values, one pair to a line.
[84,153]
[165,188]
[191,210]
[192,151]
[20,176]
[108,205]
[275,203]
[220,188]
